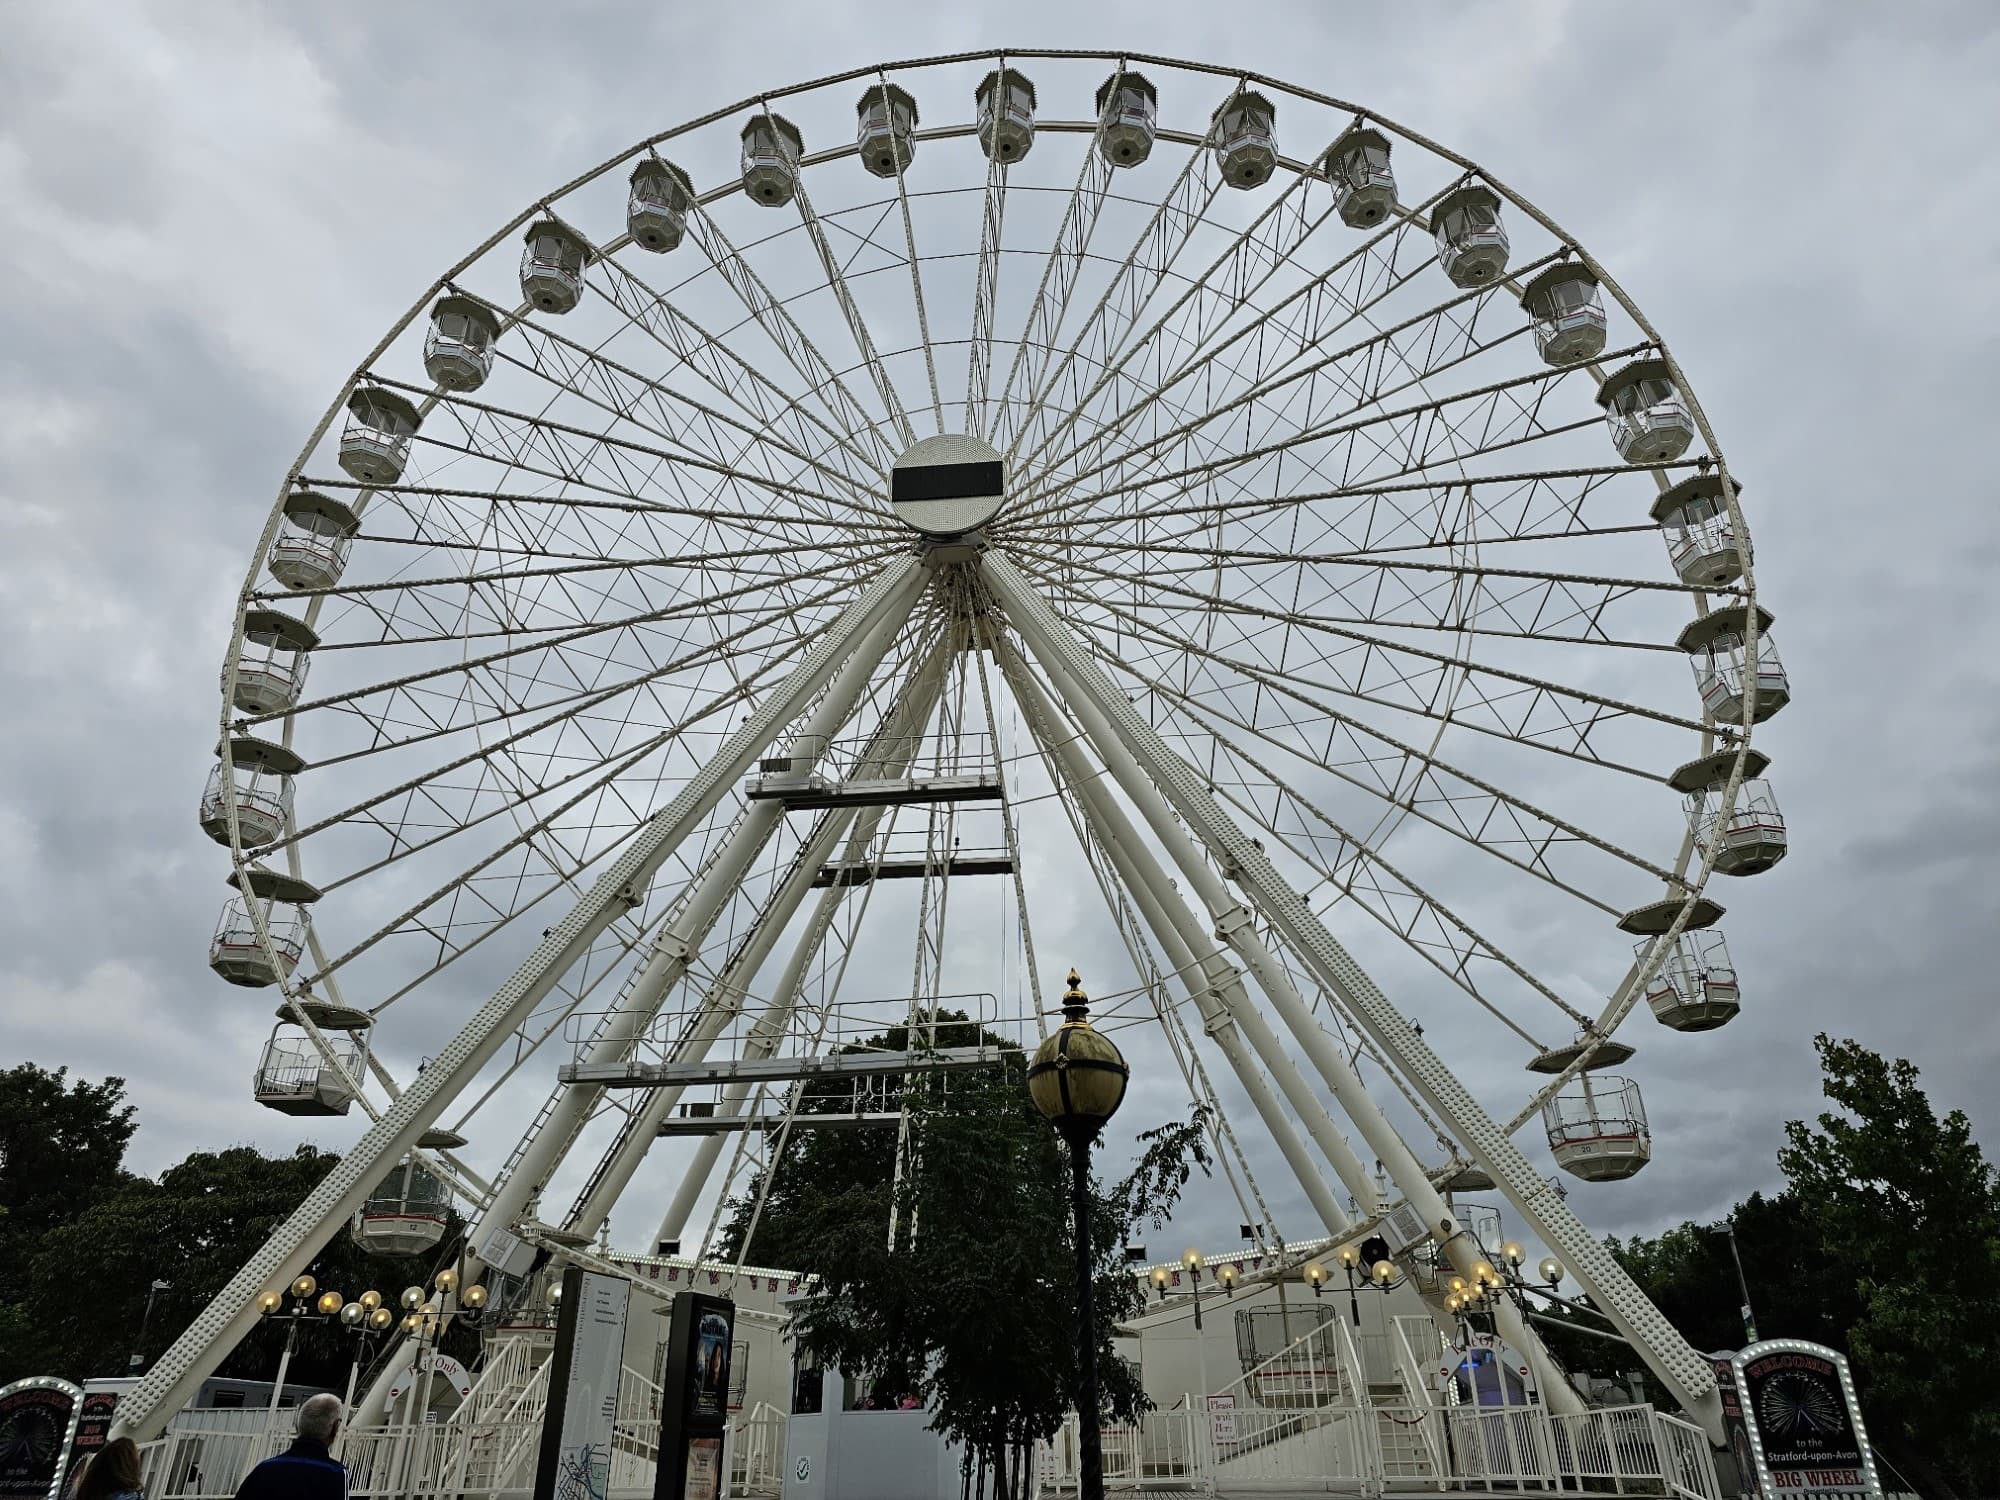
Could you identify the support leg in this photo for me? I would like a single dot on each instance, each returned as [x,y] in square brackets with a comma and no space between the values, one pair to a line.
[1211,981]
[1129,745]
[178,1373]
[677,946]
[888,755]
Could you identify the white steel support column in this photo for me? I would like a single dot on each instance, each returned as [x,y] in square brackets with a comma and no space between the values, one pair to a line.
[179,1371]
[768,1033]
[1210,979]
[890,751]
[1683,1371]
[678,944]
[1119,744]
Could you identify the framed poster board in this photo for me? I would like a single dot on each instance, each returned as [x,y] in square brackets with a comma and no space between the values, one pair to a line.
[694,1383]
[584,1371]
[38,1419]
[1800,1414]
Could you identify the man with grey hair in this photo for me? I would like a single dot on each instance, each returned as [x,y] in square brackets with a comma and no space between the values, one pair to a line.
[307,1470]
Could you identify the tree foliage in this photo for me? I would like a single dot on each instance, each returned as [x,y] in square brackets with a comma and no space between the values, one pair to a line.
[972,1308]
[82,1239]
[1884,1243]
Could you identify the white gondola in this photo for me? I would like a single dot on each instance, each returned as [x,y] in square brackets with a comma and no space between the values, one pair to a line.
[458,349]
[271,667]
[1701,539]
[295,1078]
[1752,838]
[1723,672]
[552,260]
[772,147]
[885,129]
[1568,313]
[1597,1128]
[1244,130]
[406,1214]
[260,773]
[235,952]
[1128,110]
[1648,422]
[1357,164]
[376,442]
[310,550]
[656,208]
[1005,102]
[1695,987]
[1472,245]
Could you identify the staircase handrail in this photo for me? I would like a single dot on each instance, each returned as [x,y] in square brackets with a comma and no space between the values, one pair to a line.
[1352,1373]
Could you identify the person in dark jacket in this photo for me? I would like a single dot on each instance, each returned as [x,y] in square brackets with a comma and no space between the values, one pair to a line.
[306,1470]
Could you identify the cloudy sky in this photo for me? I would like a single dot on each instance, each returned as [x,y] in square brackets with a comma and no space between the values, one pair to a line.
[214,210]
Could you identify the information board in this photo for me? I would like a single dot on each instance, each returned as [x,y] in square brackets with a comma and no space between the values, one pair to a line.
[575,1459]
[1799,1412]
[37,1424]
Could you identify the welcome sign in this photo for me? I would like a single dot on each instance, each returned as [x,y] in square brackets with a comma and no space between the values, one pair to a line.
[1803,1423]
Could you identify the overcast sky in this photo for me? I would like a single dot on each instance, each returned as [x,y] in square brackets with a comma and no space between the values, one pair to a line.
[211,212]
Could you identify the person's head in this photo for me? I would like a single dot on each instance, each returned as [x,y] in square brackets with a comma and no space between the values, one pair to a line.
[319,1417]
[112,1470]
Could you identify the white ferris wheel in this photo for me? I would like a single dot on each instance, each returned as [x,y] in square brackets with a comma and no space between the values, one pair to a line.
[800,560]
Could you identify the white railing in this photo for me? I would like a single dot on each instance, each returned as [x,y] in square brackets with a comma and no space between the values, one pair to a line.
[1413,1372]
[1163,1448]
[1688,1461]
[757,1452]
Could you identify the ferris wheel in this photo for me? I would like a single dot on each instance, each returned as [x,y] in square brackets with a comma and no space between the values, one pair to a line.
[827,542]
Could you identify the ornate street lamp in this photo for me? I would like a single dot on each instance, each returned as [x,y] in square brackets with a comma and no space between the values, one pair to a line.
[1077,1081]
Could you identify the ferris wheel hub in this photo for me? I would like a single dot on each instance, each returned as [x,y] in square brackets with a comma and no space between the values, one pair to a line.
[948,485]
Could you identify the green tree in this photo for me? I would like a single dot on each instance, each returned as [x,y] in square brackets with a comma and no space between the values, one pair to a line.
[62,1148]
[1907,1204]
[972,1308]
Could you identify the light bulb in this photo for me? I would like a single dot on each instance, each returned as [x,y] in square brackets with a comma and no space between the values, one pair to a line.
[1457,1285]
[1552,1270]
[330,1303]
[1160,1277]
[381,1318]
[1385,1272]
[1315,1273]
[446,1280]
[555,1294]
[269,1303]
[1512,1253]
[352,1314]
[474,1297]
[1482,1271]
[1226,1275]
[1349,1256]
[412,1298]
[1192,1260]
[304,1287]
[370,1300]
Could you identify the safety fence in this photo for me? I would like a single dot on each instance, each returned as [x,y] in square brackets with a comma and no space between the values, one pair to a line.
[1371,1449]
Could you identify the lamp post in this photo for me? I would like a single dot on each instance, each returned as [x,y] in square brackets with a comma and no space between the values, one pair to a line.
[293,1306]
[1226,1276]
[364,1318]
[138,1359]
[1742,1282]
[1077,1081]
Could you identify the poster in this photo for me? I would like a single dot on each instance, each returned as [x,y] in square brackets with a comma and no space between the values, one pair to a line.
[37,1421]
[704,1469]
[694,1418]
[708,1378]
[1805,1429]
[575,1460]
